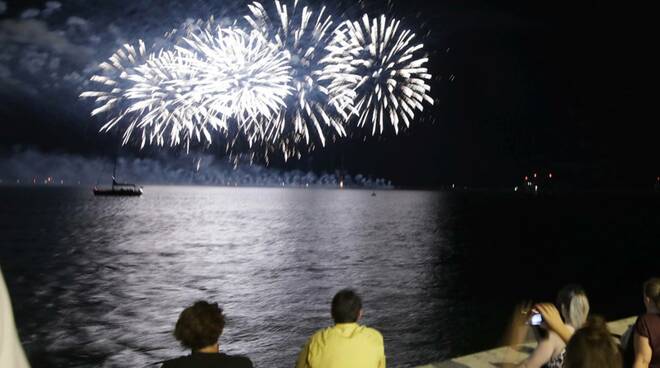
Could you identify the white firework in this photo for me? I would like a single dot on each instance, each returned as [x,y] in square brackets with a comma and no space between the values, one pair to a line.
[380,61]
[287,83]
[214,80]
[147,95]
[240,75]
[312,110]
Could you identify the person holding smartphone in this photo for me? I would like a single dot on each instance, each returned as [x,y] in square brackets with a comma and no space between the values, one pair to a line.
[551,349]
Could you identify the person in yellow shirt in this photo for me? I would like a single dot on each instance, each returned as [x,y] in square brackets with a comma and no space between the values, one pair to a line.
[346,344]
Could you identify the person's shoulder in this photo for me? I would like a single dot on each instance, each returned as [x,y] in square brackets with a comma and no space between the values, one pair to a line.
[644,319]
[176,362]
[320,337]
[644,323]
[324,332]
[372,333]
[648,319]
[238,361]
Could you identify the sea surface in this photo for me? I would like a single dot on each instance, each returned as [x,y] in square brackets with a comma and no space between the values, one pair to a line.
[99,282]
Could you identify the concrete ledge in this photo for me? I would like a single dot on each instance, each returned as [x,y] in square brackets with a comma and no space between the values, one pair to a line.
[508,357]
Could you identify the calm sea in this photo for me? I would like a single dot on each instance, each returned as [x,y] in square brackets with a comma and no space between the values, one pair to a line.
[99,282]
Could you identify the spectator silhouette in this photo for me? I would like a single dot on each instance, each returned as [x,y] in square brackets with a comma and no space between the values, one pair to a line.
[346,344]
[199,327]
[646,337]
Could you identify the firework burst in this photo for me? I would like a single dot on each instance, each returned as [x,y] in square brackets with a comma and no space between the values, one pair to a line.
[312,110]
[239,75]
[214,79]
[147,98]
[379,61]
[288,82]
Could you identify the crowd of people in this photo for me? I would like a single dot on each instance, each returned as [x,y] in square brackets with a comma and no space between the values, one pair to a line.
[567,336]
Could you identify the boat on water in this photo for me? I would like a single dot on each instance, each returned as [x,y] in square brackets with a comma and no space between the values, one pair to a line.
[119,190]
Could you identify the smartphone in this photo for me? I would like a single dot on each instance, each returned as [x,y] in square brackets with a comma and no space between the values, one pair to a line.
[536,319]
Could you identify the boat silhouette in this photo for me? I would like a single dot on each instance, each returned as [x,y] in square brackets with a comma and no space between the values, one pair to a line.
[118,189]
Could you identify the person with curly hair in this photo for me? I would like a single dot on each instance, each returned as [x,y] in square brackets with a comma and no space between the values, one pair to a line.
[199,327]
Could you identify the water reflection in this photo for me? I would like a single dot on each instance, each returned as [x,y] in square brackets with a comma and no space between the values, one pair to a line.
[100,281]
[116,273]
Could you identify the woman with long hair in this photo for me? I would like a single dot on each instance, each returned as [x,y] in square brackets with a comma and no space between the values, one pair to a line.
[551,348]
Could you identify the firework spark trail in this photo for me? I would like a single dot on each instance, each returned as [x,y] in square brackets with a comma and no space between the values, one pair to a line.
[284,84]
[143,89]
[203,42]
[241,75]
[379,61]
[219,76]
[312,109]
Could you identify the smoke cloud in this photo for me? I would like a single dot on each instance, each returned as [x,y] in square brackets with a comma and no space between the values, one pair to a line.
[29,167]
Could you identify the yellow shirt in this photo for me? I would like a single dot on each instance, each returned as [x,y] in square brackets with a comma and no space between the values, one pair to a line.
[344,345]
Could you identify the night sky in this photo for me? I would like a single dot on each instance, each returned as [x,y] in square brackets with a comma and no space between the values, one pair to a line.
[519,87]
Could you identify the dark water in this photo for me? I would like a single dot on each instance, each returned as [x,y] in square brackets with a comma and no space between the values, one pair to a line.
[99,282]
